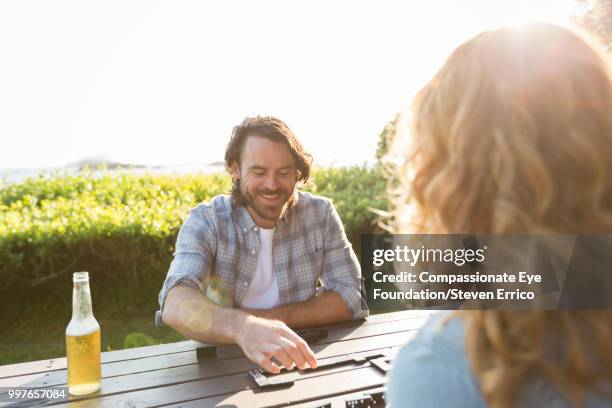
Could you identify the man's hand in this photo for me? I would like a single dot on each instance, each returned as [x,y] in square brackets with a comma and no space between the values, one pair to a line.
[261,339]
[195,317]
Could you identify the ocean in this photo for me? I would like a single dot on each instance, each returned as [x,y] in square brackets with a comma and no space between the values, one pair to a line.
[9,176]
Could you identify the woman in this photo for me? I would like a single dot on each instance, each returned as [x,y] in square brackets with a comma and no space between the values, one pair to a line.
[512,136]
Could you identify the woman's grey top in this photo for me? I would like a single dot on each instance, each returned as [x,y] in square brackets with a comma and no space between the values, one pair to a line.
[433,370]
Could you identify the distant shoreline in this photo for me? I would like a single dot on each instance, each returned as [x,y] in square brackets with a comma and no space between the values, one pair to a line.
[11,176]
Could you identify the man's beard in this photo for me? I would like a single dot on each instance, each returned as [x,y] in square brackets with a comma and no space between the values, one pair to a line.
[266,212]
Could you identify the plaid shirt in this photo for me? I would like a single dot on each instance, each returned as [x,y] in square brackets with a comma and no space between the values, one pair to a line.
[218,246]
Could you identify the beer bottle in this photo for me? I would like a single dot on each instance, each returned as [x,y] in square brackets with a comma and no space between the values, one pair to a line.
[83,341]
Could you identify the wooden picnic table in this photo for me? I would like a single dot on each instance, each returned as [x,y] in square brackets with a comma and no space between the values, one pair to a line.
[172,375]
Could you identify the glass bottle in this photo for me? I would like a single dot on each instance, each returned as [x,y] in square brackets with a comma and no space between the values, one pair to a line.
[83,341]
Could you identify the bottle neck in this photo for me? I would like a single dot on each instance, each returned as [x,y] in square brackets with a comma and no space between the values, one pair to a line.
[81,301]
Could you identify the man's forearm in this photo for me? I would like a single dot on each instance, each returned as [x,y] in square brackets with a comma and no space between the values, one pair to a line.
[326,308]
[197,318]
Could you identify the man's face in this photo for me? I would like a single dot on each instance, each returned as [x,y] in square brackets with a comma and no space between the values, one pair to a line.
[267,179]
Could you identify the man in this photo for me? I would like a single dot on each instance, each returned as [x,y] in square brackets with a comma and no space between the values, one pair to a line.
[246,266]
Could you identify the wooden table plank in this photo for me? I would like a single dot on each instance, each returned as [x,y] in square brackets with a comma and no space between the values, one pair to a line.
[176,377]
[338,401]
[202,393]
[341,333]
[308,390]
[43,366]
[229,375]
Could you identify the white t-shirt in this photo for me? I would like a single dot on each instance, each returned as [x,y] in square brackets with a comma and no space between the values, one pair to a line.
[263,291]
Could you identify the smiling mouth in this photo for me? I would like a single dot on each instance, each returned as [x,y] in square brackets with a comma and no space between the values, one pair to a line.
[272,198]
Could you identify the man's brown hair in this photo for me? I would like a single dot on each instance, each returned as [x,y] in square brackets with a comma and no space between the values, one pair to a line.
[275,130]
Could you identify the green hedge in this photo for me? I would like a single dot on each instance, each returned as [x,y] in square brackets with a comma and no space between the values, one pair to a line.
[124,226]
[355,191]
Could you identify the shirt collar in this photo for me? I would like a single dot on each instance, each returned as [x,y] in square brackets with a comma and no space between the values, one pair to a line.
[245,221]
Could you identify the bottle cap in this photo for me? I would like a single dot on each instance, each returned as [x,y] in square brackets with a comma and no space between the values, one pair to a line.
[80,277]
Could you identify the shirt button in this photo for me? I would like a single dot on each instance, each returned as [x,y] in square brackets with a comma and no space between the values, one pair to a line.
[244,283]
[253,252]
[244,230]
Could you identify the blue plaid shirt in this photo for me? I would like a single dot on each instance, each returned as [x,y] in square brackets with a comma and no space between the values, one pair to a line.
[218,245]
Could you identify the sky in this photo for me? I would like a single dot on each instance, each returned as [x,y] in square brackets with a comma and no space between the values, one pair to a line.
[164,82]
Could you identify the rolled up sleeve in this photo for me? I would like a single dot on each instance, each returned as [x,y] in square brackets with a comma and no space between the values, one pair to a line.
[192,261]
[341,271]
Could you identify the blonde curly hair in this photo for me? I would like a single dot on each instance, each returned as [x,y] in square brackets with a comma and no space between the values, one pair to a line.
[514,135]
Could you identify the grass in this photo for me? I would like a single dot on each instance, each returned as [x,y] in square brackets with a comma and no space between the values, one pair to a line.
[35,330]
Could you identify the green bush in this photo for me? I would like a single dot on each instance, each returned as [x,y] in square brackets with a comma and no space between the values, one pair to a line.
[125,226]
[138,339]
[355,191]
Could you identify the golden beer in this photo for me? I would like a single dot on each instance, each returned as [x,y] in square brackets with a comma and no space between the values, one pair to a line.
[84,368]
[83,341]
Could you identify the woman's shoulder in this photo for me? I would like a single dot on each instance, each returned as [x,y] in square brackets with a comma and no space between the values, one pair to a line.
[432,369]
[443,334]
[444,327]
